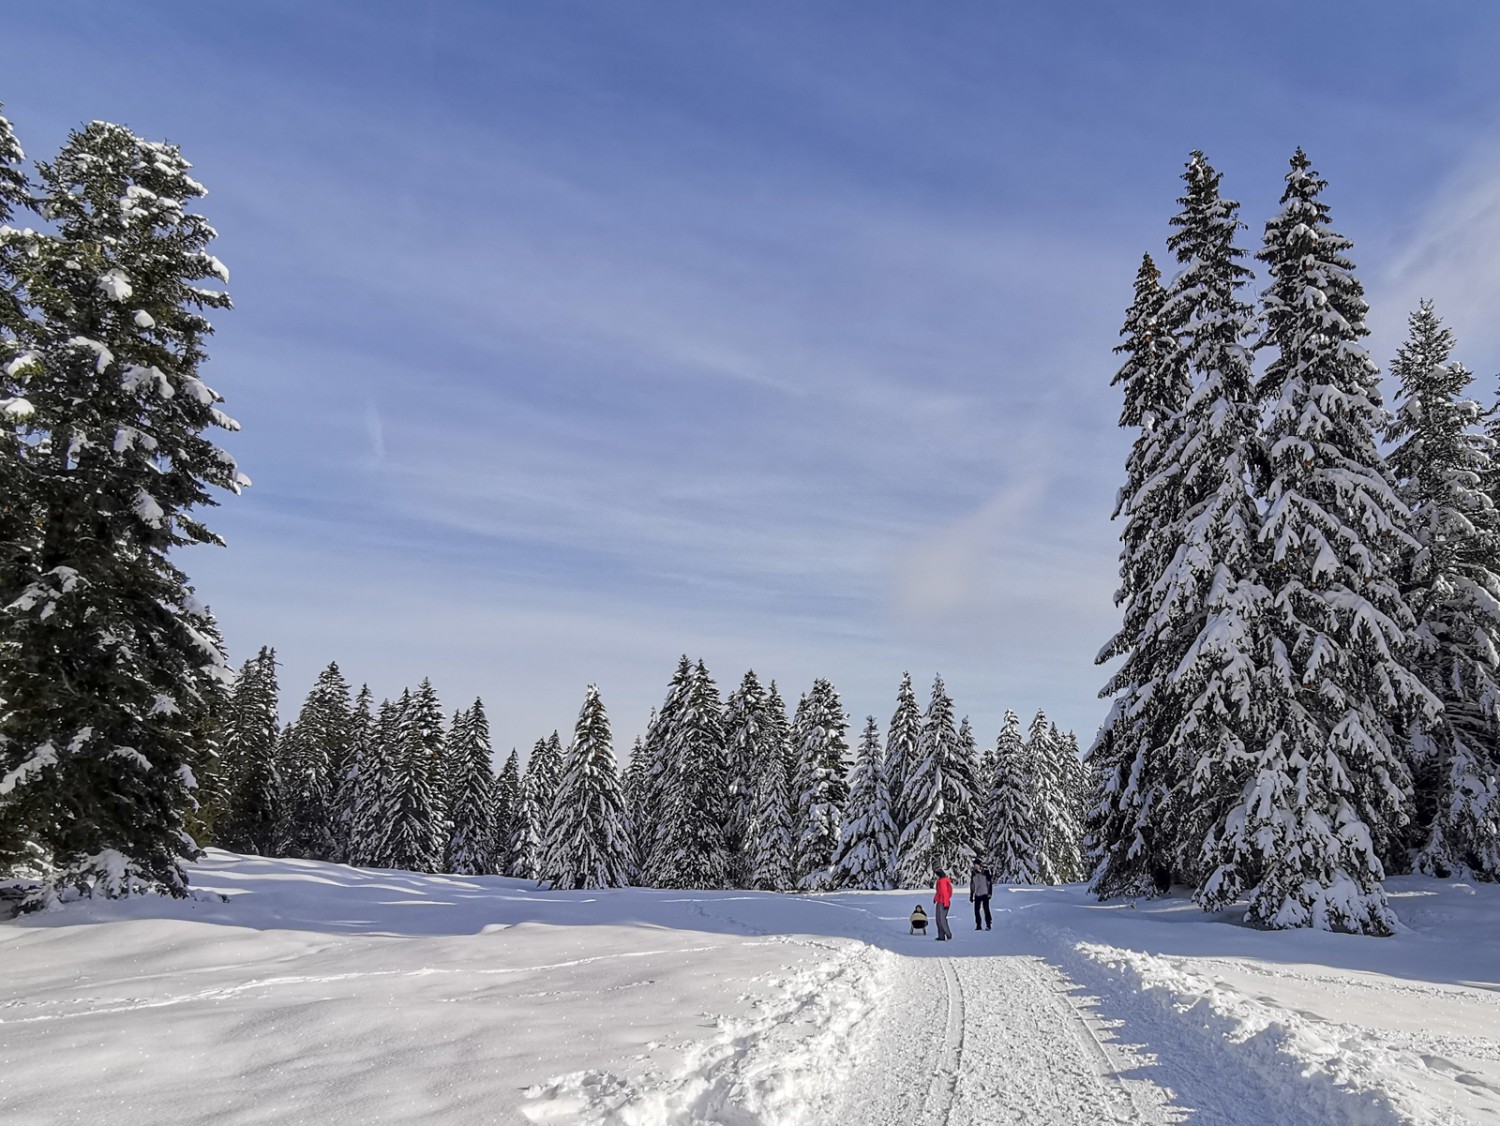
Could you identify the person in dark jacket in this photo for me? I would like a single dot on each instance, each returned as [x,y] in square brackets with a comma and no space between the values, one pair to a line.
[943,897]
[981,886]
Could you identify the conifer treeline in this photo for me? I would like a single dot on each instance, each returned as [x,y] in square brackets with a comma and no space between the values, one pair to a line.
[1310,691]
[718,793]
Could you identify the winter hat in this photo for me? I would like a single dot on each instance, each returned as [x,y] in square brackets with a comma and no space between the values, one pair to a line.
[941,874]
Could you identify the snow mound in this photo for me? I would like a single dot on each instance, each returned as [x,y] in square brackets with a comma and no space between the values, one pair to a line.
[1354,1078]
[783,1064]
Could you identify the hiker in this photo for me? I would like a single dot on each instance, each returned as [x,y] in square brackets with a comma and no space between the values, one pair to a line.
[943,897]
[981,885]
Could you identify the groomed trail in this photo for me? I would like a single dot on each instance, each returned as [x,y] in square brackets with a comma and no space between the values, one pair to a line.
[987,1030]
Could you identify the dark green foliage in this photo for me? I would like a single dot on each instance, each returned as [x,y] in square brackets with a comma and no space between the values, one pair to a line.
[772,848]
[252,782]
[310,764]
[415,836]
[372,785]
[901,754]
[1014,837]
[691,852]
[750,748]
[1443,469]
[471,809]
[820,786]
[505,804]
[590,837]
[107,665]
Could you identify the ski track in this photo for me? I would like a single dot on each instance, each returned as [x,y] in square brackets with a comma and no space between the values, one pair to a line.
[966,1041]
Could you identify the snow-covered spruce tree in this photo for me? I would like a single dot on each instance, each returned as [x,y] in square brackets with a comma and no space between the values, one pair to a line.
[943,802]
[308,764]
[543,777]
[1131,820]
[1014,838]
[636,774]
[18,517]
[537,790]
[964,802]
[506,804]
[1305,811]
[253,785]
[867,844]
[1442,465]
[344,796]
[1075,771]
[1208,614]
[1074,779]
[1053,801]
[414,834]
[692,853]
[820,786]
[525,842]
[210,795]
[745,737]
[922,791]
[105,666]
[374,788]
[653,825]
[288,752]
[901,758]
[779,734]
[773,865]
[471,810]
[591,845]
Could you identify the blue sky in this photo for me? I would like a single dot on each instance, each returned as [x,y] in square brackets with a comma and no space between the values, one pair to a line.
[571,337]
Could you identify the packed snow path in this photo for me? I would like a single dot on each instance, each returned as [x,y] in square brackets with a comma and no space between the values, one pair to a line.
[339,995]
[988,1031]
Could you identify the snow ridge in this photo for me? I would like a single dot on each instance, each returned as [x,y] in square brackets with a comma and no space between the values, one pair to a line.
[1347,1073]
[765,1069]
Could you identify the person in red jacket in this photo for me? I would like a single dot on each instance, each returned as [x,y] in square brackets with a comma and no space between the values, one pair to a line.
[943,898]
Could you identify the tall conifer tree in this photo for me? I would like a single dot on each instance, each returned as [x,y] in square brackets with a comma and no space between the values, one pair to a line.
[253,784]
[901,756]
[867,844]
[931,839]
[662,770]
[773,862]
[308,764]
[374,788]
[506,804]
[820,786]
[471,808]
[414,832]
[1320,793]
[347,782]
[1053,801]
[1208,617]
[693,852]
[745,736]
[1014,839]
[108,665]
[591,845]
[1133,781]
[1443,465]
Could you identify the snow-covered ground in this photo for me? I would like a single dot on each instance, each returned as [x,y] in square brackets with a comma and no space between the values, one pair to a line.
[326,994]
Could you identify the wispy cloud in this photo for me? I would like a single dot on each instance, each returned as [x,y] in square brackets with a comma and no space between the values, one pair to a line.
[1450,257]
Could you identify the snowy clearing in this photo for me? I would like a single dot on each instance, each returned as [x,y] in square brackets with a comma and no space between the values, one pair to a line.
[324,993]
